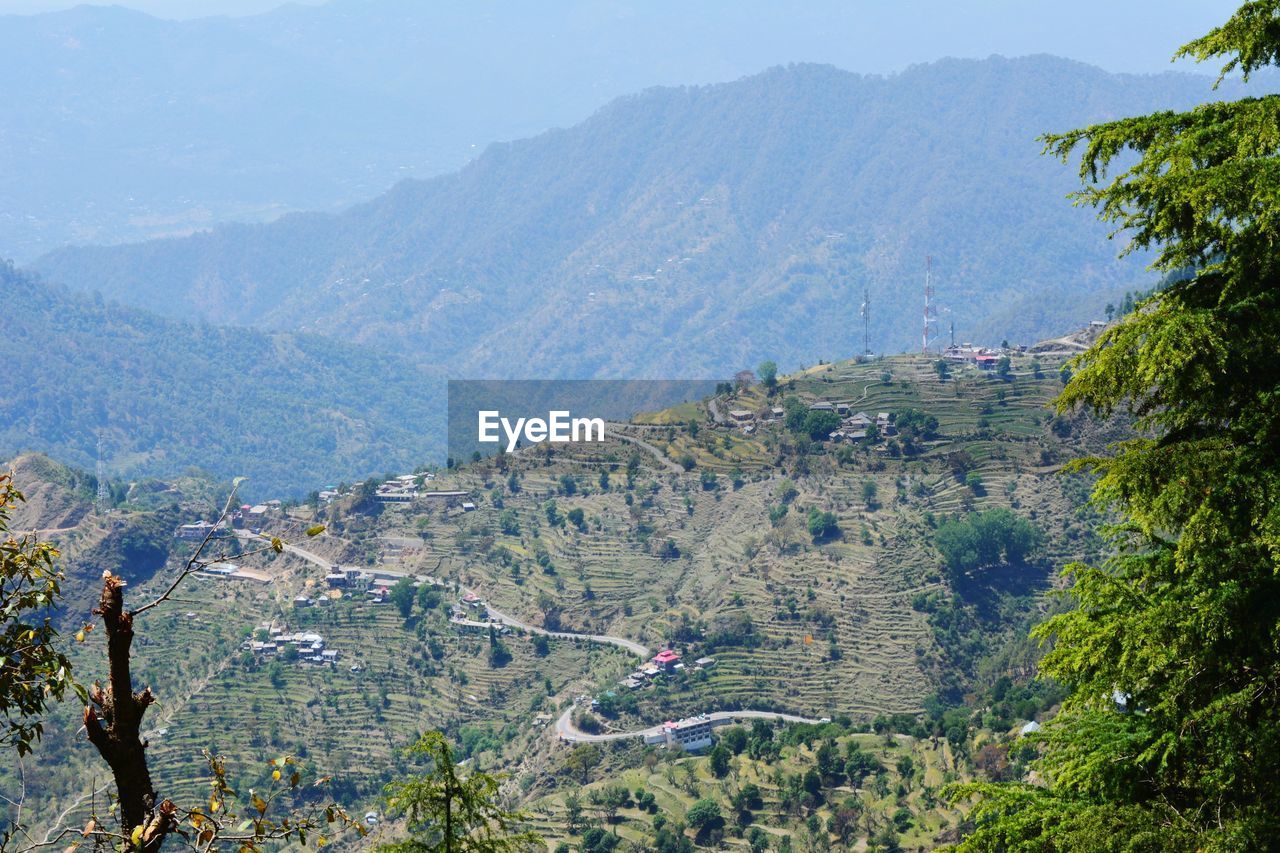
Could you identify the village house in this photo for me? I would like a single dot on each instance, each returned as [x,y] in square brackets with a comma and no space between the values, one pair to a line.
[691,734]
[741,416]
[448,498]
[310,646]
[198,531]
[394,493]
[666,660]
[861,420]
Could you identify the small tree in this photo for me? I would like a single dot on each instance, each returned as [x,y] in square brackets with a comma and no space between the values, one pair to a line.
[822,525]
[704,815]
[719,757]
[768,373]
[869,493]
[448,812]
[402,595]
[1004,368]
[32,670]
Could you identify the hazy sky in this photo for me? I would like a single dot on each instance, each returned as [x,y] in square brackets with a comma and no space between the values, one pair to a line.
[886,35]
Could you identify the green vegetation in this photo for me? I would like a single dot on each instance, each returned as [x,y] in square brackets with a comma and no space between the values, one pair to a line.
[1170,735]
[288,411]
[453,813]
[764,788]
[986,539]
[861,623]
[33,673]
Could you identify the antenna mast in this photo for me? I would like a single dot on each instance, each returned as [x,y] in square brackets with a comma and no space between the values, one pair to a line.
[866,322]
[928,307]
[104,494]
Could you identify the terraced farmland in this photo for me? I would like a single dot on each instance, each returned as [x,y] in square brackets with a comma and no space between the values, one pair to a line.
[692,534]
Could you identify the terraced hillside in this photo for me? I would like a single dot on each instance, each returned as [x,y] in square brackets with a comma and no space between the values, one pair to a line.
[681,532]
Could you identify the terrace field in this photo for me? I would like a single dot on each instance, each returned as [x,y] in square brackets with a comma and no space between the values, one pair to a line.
[681,532]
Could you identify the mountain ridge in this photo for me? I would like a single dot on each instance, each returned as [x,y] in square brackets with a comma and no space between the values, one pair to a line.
[284,409]
[721,218]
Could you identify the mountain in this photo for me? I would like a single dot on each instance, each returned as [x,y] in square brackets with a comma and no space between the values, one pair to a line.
[122,126]
[694,231]
[56,496]
[289,411]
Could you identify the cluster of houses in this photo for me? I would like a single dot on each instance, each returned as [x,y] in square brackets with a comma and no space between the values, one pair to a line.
[309,646]
[403,489]
[400,490]
[374,584]
[250,517]
[406,489]
[984,358]
[853,425]
[747,420]
[664,663]
[471,616]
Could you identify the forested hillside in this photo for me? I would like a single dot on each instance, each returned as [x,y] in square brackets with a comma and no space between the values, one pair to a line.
[730,222]
[289,411]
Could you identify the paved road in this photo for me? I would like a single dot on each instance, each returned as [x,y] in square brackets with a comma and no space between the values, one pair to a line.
[566,730]
[564,726]
[494,615]
[604,639]
[262,538]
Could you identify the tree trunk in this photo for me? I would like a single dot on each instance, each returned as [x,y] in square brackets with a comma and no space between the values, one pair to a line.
[113,721]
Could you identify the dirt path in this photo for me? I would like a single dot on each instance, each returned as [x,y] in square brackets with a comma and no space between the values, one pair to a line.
[652,449]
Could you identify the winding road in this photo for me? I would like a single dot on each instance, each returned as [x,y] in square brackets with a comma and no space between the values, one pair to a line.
[604,639]
[572,734]
[494,615]
[565,728]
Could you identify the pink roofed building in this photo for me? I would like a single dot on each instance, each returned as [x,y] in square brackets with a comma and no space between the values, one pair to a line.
[666,659]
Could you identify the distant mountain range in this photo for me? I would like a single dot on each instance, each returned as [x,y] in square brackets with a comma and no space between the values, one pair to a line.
[694,231]
[121,126]
[289,411]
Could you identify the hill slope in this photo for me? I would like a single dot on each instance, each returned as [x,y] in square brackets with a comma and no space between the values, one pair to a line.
[288,411]
[863,625]
[730,222]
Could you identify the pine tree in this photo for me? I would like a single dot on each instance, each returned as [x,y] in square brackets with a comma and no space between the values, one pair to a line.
[1170,738]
